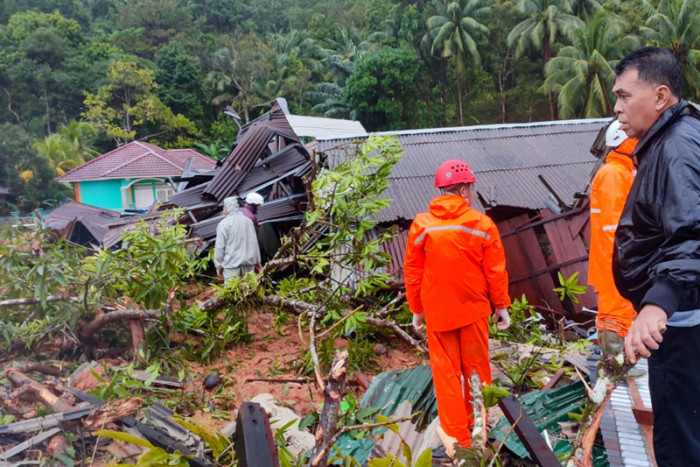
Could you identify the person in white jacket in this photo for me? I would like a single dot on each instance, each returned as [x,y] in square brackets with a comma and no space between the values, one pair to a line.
[236,252]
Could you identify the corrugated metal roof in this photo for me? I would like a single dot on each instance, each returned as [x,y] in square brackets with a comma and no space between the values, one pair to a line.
[256,137]
[505,158]
[138,159]
[319,127]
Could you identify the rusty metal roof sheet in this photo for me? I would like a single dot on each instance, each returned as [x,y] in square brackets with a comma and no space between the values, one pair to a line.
[250,147]
[505,158]
[69,218]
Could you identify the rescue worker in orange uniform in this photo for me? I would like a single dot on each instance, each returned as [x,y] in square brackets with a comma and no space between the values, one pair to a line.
[455,271]
[609,192]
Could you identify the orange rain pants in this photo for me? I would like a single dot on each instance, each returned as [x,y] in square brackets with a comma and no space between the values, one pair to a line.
[454,355]
[609,192]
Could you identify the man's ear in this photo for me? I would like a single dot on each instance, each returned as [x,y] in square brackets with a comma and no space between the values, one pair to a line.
[663,97]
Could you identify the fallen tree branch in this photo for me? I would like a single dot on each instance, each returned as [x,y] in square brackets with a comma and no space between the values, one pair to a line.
[87,332]
[29,367]
[112,411]
[397,329]
[35,301]
[39,390]
[386,309]
[328,421]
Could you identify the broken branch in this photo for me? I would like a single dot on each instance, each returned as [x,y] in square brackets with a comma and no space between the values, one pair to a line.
[400,332]
[35,301]
[328,421]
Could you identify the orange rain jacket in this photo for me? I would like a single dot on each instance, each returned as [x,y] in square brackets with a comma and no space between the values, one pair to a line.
[609,192]
[455,267]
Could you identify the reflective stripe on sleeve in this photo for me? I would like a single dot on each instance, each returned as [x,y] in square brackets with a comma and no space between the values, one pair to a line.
[595,211]
[462,228]
[609,227]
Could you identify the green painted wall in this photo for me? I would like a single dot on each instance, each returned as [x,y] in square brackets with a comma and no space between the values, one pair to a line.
[102,193]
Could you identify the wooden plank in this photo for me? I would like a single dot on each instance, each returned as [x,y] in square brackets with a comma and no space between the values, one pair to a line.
[253,442]
[554,379]
[565,248]
[643,415]
[578,222]
[523,258]
[646,429]
[527,432]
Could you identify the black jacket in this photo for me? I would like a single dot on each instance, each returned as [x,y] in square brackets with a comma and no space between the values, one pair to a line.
[657,242]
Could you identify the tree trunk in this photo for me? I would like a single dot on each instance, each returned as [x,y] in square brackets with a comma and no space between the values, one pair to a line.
[459,97]
[328,422]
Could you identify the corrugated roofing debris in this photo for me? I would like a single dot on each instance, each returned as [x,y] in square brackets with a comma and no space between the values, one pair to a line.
[267,157]
[81,223]
[547,409]
[319,127]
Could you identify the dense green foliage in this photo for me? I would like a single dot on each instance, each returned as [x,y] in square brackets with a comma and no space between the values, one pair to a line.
[164,70]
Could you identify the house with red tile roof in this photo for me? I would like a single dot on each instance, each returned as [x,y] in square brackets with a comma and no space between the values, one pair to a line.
[133,176]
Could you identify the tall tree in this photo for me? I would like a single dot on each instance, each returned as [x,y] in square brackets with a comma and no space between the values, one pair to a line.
[239,71]
[127,107]
[156,23]
[39,68]
[675,24]
[454,32]
[383,90]
[582,75]
[545,23]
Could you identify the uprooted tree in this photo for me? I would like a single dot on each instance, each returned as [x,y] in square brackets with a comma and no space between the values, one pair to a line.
[57,291]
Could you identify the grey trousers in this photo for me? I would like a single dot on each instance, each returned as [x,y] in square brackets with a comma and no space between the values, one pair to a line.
[236,272]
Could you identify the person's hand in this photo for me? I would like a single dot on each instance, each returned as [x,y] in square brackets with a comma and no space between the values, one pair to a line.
[645,333]
[502,319]
[419,318]
[220,273]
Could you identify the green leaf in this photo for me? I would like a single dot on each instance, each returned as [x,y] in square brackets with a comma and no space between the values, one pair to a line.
[425,459]
[126,437]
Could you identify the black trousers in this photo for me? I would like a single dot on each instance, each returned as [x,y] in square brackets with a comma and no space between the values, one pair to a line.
[674,384]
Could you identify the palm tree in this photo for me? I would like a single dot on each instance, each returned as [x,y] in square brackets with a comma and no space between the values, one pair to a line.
[585,9]
[546,22]
[81,135]
[454,32]
[675,24]
[60,153]
[582,74]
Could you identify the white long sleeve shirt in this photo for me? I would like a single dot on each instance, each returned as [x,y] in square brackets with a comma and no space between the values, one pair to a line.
[236,242]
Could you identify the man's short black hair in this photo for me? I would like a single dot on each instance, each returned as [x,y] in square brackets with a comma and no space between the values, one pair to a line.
[656,66]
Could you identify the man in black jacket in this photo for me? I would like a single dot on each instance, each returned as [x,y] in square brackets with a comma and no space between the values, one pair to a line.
[656,262]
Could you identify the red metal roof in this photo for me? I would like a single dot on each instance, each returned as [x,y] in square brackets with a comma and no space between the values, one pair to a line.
[138,159]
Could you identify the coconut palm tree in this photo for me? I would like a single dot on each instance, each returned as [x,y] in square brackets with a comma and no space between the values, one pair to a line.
[675,24]
[582,74]
[60,153]
[454,32]
[547,21]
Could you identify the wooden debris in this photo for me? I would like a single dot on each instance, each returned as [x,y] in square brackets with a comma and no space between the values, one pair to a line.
[39,390]
[111,412]
[328,422]
[30,367]
[527,432]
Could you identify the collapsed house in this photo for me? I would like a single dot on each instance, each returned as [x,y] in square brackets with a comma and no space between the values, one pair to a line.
[268,157]
[531,180]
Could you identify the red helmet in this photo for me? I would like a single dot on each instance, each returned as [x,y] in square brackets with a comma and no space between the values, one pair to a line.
[452,172]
